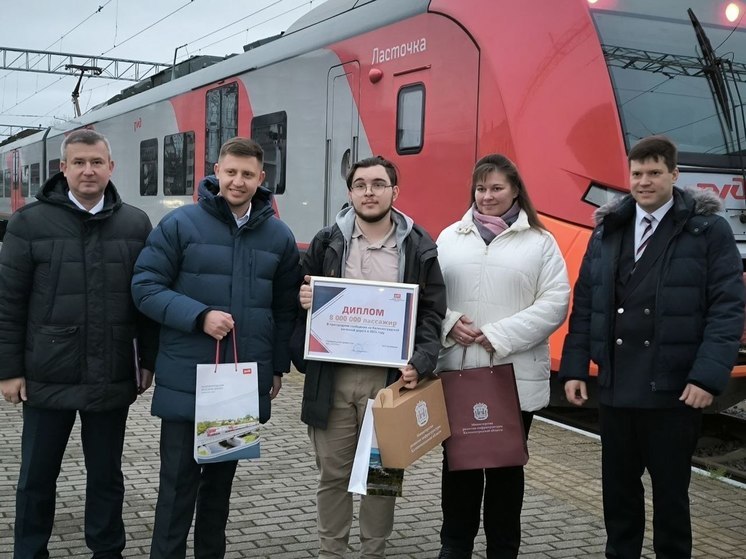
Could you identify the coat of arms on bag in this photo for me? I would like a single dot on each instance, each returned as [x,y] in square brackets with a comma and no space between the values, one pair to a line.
[420,411]
[480,411]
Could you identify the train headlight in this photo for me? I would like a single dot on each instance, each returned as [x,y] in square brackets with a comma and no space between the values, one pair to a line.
[598,195]
[732,11]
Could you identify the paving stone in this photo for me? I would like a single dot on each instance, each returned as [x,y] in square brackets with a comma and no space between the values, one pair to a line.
[273,512]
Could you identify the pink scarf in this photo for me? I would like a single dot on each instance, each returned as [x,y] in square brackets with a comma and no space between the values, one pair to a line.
[495,224]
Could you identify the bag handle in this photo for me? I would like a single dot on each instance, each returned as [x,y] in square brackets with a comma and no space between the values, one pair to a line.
[388,395]
[235,352]
[463,358]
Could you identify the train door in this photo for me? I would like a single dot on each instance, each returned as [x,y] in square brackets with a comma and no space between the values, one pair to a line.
[16,195]
[342,130]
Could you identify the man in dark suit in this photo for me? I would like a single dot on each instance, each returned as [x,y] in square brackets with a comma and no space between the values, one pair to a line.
[659,306]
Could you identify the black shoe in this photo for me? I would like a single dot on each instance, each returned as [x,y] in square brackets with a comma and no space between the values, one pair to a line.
[447,552]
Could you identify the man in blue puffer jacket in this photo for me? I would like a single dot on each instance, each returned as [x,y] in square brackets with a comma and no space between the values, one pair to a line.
[226,264]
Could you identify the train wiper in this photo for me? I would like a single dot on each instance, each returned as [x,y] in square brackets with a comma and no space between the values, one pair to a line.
[712,66]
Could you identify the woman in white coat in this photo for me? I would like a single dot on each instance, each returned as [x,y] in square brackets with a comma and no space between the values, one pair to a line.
[507,290]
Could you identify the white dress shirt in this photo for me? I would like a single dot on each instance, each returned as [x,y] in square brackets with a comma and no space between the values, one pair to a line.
[244,218]
[94,210]
[640,224]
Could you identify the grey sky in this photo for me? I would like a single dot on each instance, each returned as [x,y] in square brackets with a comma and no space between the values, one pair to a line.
[33,98]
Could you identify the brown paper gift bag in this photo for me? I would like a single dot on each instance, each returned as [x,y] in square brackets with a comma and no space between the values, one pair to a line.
[485,418]
[409,423]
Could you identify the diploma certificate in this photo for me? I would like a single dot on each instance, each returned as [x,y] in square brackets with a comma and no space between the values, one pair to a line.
[361,322]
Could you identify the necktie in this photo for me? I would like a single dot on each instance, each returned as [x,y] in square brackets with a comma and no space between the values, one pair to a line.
[646,236]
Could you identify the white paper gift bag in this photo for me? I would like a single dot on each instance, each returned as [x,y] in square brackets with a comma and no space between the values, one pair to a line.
[226,411]
[368,476]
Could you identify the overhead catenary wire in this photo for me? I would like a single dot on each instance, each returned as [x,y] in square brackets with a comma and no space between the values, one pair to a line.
[211,33]
[39,90]
[736,26]
[33,94]
[135,35]
[148,27]
[105,52]
[254,26]
[74,28]
[65,34]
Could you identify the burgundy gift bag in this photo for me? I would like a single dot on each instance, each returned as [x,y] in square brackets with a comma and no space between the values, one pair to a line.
[484,414]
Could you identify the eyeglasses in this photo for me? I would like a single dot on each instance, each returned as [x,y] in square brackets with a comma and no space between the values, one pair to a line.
[360,188]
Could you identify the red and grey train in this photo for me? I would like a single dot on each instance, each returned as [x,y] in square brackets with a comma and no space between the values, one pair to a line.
[563,87]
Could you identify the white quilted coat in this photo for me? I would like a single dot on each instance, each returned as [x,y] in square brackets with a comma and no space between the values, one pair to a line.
[515,290]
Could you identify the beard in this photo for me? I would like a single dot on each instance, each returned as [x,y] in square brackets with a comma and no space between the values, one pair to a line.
[380,215]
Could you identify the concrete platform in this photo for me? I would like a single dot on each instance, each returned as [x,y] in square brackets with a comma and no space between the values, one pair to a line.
[273,507]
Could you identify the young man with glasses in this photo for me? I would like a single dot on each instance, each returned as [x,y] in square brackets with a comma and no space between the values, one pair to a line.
[371,241]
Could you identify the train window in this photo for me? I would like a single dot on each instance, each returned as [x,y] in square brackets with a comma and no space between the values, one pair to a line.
[35,178]
[270,132]
[178,164]
[221,121]
[6,183]
[2,185]
[54,167]
[25,174]
[149,167]
[410,119]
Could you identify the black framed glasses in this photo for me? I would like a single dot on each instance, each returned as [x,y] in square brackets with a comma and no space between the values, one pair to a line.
[376,187]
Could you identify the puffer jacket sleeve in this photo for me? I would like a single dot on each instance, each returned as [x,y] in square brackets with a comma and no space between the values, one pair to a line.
[147,329]
[156,270]
[431,309]
[313,260]
[534,324]
[311,265]
[576,351]
[16,281]
[724,318]
[449,322]
[451,316]
[285,289]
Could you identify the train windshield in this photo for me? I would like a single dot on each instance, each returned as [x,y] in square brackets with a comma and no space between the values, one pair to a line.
[672,78]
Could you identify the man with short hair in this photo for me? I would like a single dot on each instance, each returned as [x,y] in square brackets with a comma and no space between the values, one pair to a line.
[67,327]
[659,307]
[223,267]
[370,240]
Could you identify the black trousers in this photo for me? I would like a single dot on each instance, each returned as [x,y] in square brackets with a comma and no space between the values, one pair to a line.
[661,441]
[461,502]
[43,443]
[184,484]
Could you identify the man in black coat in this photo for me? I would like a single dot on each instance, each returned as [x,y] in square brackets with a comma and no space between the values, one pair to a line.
[68,331]
[659,307]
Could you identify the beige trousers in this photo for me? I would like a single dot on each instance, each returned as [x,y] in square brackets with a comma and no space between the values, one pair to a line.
[335,453]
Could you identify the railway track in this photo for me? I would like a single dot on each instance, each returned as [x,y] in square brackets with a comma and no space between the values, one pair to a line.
[721,449]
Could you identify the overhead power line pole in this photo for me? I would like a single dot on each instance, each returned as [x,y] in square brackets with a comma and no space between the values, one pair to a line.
[47,62]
